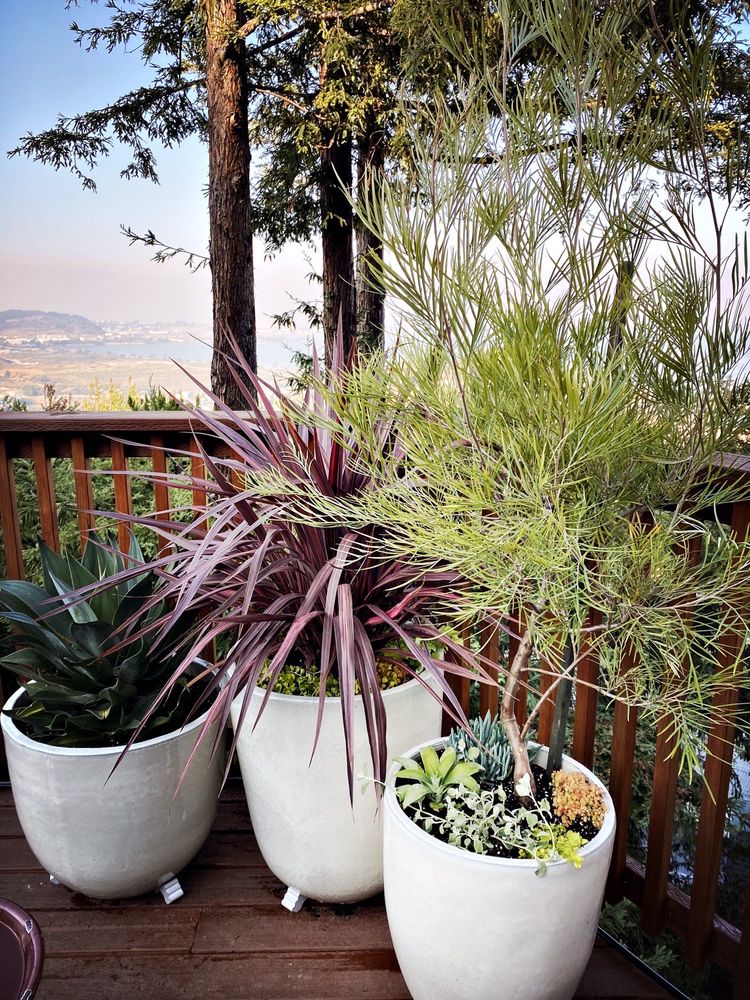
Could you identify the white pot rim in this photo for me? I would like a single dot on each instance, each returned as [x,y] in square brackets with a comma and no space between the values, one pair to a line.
[314,699]
[410,828]
[14,733]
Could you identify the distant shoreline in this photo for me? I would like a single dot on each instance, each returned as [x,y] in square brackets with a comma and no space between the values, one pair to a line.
[74,367]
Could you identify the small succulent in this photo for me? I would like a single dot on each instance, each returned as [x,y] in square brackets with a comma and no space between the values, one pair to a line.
[90,669]
[555,843]
[434,777]
[487,745]
[577,800]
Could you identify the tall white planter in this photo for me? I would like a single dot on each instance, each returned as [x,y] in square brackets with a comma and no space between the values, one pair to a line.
[308,833]
[110,837]
[468,927]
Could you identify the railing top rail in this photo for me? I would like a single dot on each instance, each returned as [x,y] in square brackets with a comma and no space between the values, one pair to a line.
[146,421]
[739,464]
[154,421]
[35,422]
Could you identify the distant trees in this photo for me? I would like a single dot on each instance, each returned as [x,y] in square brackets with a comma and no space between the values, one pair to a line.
[198,85]
[306,85]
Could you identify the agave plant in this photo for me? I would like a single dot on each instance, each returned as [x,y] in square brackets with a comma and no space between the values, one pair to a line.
[90,672]
[269,593]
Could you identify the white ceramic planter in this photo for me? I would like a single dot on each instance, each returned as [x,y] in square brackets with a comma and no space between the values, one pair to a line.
[468,927]
[118,837]
[307,831]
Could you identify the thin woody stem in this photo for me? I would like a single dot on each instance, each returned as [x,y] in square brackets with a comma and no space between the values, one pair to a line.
[522,765]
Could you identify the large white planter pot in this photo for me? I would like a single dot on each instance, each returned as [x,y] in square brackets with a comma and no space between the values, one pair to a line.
[468,927]
[110,837]
[307,831]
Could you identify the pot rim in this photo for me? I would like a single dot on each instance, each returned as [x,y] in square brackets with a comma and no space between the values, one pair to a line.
[12,732]
[393,808]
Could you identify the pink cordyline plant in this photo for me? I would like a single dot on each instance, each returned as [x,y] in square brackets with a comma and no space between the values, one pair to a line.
[271,592]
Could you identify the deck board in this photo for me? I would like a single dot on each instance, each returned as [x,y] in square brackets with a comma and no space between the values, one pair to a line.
[228,937]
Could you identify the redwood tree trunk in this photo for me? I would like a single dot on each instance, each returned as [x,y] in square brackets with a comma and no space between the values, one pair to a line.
[370,295]
[337,228]
[231,237]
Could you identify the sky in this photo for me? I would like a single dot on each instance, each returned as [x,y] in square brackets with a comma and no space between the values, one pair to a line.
[60,246]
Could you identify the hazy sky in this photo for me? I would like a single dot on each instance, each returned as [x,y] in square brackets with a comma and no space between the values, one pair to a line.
[60,246]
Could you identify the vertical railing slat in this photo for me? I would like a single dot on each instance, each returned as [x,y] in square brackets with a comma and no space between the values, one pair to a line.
[123,496]
[742,973]
[662,814]
[83,487]
[162,502]
[9,517]
[586,701]
[621,787]
[710,840]
[461,687]
[660,832]
[200,501]
[198,470]
[547,711]
[45,488]
[624,731]
[13,549]
[236,476]
[489,641]
[717,773]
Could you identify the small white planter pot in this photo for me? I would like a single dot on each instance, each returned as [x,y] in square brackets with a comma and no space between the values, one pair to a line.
[469,927]
[111,837]
[308,833]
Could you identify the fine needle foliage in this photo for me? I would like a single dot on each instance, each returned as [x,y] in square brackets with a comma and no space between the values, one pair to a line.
[270,593]
[573,309]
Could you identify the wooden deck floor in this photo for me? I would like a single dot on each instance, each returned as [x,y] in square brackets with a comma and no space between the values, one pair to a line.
[228,937]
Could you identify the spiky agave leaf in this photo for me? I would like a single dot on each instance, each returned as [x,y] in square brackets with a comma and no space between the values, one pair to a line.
[86,683]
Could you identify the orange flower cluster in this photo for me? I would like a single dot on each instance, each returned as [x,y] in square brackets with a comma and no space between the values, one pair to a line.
[575,798]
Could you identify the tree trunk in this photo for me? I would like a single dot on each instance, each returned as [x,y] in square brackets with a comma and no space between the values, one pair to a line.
[231,238]
[337,225]
[370,294]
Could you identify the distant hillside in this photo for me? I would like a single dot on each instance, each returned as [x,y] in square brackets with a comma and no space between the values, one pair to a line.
[30,322]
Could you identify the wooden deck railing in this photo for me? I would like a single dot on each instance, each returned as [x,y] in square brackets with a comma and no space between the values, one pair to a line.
[79,438]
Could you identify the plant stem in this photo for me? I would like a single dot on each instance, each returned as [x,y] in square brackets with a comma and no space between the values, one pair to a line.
[562,710]
[623,293]
[522,765]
